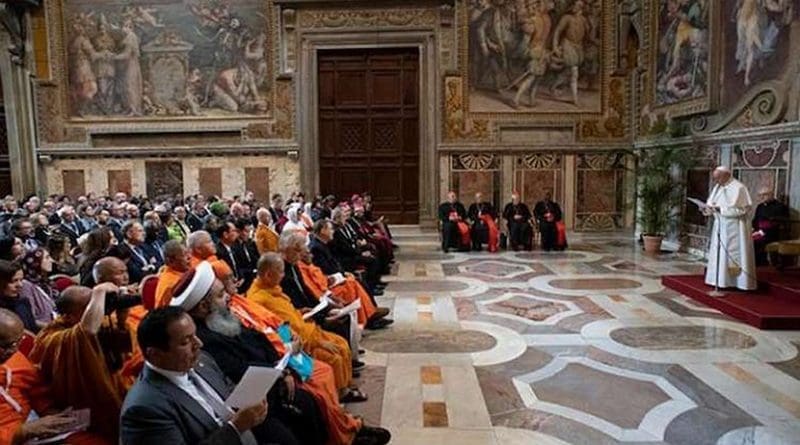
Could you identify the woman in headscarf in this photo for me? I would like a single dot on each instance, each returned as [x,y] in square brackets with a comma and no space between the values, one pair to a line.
[36,267]
[295,220]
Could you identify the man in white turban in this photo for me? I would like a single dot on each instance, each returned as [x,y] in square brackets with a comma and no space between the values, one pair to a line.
[731,261]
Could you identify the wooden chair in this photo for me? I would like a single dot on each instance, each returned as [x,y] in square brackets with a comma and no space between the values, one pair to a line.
[147,287]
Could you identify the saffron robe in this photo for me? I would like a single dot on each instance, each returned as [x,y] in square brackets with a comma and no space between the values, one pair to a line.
[266,239]
[341,426]
[312,335]
[167,280]
[72,364]
[346,292]
[31,393]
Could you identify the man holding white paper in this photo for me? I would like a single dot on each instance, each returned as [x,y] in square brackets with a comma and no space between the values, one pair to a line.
[179,398]
[731,260]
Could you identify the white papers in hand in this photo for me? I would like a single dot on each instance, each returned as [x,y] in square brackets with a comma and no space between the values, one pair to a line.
[700,204]
[350,308]
[82,419]
[253,387]
[338,279]
[323,303]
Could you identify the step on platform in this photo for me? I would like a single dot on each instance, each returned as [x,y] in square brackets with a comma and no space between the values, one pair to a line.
[774,305]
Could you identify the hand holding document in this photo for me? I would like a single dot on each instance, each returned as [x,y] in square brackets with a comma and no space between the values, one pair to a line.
[253,387]
[323,303]
[73,421]
[336,279]
[352,307]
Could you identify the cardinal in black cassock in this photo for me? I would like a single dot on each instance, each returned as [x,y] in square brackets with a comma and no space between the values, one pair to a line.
[518,216]
[482,215]
[548,216]
[455,230]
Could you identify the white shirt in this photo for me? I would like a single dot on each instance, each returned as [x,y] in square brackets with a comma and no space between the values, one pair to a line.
[181,380]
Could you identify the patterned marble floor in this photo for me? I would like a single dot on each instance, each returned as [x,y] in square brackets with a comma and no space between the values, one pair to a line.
[579,347]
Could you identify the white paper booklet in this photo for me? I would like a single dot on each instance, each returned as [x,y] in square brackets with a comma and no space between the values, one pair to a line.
[338,279]
[253,386]
[323,303]
[350,308]
[284,361]
[700,204]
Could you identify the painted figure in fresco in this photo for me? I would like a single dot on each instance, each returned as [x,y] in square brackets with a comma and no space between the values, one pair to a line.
[568,44]
[235,90]
[130,82]
[104,67]
[683,51]
[537,31]
[492,38]
[756,33]
[82,54]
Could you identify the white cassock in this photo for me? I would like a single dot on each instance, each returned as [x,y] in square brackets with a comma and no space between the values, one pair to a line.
[737,265]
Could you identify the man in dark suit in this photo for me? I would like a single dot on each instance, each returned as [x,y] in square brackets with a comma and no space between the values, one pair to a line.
[323,257]
[196,219]
[179,397]
[246,252]
[140,263]
[228,235]
[70,225]
[351,252]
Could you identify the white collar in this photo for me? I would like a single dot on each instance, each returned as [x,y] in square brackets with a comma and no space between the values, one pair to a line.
[174,376]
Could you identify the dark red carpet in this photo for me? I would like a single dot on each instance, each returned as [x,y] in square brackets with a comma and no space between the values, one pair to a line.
[775,305]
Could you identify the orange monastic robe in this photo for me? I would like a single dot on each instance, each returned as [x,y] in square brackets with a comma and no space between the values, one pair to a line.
[342,427]
[133,365]
[29,391]
[273,298]
[72,364]
[266,239]
[347,292]
[167,280]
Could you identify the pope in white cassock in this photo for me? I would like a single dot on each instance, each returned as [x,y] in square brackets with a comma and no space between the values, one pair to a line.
[730,205]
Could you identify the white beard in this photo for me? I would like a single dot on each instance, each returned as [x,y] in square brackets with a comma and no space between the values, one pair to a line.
[222,321]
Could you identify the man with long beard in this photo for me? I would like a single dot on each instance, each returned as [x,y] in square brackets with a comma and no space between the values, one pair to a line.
[235,348]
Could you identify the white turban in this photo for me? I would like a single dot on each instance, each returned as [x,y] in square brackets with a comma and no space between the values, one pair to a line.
[202,278]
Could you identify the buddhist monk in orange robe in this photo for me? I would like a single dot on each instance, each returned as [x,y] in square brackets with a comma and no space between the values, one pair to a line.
[176,262]
[72,361]
[324,346]
[22,391]
[266,237]
[201,248]
[346,292]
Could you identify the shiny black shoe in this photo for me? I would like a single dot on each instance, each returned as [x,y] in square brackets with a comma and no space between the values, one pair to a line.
[371,435]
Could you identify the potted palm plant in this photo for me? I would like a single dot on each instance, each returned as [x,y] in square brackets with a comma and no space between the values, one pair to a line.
[660,192]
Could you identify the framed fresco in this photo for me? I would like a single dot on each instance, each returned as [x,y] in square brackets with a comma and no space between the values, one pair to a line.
[165,59]
[757,45]
[684,55]
[537,57]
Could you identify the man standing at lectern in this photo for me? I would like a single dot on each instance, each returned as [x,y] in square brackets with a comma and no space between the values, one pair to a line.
[731,261]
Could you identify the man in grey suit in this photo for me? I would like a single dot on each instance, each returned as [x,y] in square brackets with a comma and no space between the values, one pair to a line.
[179,397]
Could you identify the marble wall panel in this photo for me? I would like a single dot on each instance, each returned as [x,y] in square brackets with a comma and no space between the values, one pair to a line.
[119,181]
[532,184]
[467,183]
[74,183]
[210,179]
[256,180]
[164,178]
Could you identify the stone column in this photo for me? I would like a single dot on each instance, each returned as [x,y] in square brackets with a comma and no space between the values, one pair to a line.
[18,100]
[794,184]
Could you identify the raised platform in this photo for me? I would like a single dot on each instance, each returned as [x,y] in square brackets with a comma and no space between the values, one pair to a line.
[774,305]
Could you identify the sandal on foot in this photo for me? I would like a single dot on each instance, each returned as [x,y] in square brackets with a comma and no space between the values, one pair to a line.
[353,395]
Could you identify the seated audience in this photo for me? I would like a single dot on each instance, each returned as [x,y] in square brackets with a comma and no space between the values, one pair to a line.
[266,236]
[141,263]
[177,258]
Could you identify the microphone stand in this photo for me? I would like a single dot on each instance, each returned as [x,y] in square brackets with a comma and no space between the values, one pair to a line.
[716,292]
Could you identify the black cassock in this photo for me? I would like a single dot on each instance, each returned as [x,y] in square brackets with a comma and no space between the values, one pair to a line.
[547,214]
[768,218]
[451,238]
[519,229]
[479,231]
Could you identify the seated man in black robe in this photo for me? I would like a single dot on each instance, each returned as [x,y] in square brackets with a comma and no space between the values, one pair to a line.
[768,218]
[518,217]
[547,214]
[455,231]
[480,230]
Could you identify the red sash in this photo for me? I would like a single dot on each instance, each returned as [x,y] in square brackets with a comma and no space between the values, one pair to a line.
[561,234]
[463,230]
[494,234]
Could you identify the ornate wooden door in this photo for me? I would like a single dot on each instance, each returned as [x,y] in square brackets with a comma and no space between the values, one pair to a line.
[369,128]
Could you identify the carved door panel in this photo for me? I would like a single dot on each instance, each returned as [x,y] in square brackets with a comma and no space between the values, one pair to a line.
[369,128]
